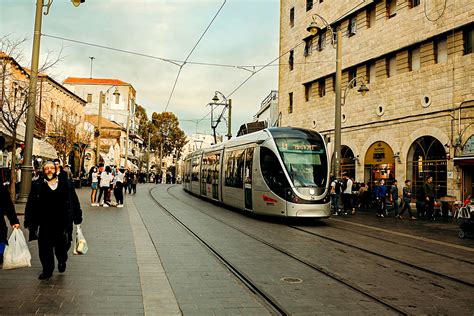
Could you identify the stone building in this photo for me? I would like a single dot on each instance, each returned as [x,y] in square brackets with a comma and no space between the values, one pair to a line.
[415,57]
[118,105]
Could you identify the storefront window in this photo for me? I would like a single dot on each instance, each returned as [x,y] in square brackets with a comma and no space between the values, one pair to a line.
[379,164]
[347,162]
[427,157]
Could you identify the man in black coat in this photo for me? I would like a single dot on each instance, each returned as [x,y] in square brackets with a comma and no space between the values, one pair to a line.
[52,207]
[6,209]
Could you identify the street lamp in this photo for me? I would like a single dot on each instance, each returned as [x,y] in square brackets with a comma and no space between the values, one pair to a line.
[99,119]
[314,29]
[336,42]
[27,167]
[227,103]
[363,89]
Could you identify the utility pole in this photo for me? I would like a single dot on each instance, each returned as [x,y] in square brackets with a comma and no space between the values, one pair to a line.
[148,159]
[27,166]
[337,127]
[99,124]
[229,120]
[92,59]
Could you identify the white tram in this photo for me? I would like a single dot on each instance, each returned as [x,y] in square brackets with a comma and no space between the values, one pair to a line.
[277,171]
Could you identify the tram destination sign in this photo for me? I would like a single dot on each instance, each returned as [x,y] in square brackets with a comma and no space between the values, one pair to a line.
[298,146]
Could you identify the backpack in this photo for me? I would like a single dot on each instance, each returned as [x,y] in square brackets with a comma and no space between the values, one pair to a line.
[338,187]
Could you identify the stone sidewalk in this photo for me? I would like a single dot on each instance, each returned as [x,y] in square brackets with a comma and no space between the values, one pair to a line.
[121,273]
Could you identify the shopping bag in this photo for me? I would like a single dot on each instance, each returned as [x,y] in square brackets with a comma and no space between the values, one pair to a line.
[16,254]
[80,246]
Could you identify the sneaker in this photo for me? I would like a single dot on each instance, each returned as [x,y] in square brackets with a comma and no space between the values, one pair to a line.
[381,215]
[413,218]
[120,205]
[105,205]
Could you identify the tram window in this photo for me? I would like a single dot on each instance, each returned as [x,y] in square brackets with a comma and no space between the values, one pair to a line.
[234,169]
[248,165]
[272,172]
[195,173]
[215,178]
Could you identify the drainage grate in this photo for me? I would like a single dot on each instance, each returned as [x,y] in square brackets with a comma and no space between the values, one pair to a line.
[291,280]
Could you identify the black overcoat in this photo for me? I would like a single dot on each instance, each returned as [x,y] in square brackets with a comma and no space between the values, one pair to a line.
[6,209]
[37,204]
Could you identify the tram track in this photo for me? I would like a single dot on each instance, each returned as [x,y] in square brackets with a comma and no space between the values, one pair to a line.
[305,262]
[269,302]
[406,245]
[408,264]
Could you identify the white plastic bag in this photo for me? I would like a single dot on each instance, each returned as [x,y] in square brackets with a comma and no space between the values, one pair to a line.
[80,246]
[16,254]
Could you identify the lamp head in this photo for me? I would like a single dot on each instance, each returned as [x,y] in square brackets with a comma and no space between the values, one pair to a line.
[215,98]
[363,89]
[313,28]
[76,3]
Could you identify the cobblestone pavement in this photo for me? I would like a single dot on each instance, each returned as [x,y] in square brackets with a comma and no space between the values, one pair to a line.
[141,261]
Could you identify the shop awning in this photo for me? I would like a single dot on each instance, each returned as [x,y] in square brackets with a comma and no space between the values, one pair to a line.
[464,160]
[44,149]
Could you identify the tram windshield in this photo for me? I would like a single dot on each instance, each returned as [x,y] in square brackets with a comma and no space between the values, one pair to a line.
[305,160]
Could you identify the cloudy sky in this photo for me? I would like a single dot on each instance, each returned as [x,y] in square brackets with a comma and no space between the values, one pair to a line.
[245,33]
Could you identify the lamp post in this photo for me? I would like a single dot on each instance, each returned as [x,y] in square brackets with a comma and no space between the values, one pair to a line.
[128,130]
[27,167]
[164,135]
[227,103]
[336,42]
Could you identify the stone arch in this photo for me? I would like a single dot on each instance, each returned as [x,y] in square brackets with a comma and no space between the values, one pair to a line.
[424,131]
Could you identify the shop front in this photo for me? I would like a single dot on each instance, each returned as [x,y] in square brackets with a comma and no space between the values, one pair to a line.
[379,164]
[465,162]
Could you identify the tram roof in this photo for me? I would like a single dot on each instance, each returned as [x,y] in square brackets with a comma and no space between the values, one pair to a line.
[276,132]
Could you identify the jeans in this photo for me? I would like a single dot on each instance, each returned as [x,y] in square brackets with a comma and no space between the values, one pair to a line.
[335,202]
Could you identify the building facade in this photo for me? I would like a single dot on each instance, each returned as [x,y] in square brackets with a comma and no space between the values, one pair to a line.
[118,105]
[268,111]
[417,60]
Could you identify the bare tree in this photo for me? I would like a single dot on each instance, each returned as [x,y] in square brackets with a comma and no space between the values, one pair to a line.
[14,80]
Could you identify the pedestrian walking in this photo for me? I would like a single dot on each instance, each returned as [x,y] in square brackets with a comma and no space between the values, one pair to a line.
[94,180]
[429,197]
[406,198]
[104,186]
[335,193]
[134,182]
[6,209]
[118,187]
[347,194]
[51,209]
[380,196]
[394,197]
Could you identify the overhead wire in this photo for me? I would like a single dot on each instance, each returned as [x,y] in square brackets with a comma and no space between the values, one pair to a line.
[190,53]
[177,62]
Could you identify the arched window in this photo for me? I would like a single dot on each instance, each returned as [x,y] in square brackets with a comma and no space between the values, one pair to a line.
[347,161]
[427,157]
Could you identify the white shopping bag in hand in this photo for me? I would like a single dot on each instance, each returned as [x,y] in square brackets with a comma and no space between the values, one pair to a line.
[80,247]
[16,254]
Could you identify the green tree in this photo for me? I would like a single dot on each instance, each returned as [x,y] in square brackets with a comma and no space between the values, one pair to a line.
[166,131]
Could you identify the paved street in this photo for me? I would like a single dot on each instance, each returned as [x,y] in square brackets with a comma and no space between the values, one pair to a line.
[142,261]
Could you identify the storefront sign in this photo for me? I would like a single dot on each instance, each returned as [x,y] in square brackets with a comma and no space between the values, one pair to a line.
[379,153]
